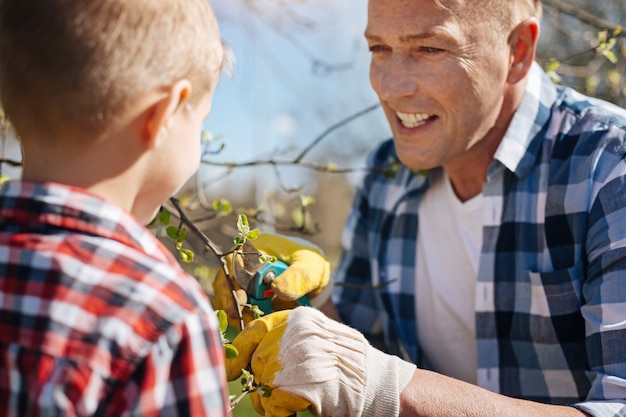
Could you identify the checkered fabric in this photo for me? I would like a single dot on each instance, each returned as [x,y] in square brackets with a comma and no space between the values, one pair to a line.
[96,317]
[551,294]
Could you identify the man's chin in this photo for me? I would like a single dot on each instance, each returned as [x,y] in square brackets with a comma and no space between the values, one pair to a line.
[416,165]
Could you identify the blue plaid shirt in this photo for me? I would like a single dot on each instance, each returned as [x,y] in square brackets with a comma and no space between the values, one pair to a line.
[551,293]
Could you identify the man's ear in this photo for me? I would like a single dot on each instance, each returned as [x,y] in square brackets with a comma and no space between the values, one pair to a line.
[523,43]
[159,115]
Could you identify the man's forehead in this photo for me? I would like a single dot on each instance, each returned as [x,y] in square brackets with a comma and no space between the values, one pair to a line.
[411,21]
[454,6]
[413,12]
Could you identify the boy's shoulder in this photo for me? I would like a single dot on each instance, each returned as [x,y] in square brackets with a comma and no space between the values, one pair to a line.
[83,282]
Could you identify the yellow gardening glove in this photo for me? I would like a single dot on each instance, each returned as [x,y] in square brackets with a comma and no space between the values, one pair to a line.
[307,360]
[223,296]
[308,274]
[261,339]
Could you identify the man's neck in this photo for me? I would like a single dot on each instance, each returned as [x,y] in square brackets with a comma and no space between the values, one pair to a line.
[468,172]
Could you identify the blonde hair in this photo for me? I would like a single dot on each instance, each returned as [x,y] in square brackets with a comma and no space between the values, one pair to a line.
[80,62]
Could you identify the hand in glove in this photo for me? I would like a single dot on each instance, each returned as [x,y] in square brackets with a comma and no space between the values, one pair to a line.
[307,359]
[308,274]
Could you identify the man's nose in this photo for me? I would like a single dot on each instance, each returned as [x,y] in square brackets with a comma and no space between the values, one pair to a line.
[394,78]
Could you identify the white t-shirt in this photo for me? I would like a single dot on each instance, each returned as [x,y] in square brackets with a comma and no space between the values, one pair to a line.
[448,250]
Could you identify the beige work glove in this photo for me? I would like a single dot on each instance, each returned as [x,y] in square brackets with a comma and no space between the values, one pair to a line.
[308,274]
[309,360]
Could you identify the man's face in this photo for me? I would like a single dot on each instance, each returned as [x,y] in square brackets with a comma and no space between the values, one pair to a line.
[440,77]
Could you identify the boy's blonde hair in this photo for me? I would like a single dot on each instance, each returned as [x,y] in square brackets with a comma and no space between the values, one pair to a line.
[79,63]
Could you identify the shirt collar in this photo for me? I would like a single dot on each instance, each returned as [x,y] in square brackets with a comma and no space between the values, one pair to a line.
[52,205]
[519,147]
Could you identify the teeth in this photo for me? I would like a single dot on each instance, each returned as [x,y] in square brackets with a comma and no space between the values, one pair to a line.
[411,120]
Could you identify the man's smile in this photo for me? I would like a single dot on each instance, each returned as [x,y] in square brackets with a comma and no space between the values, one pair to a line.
[412,120]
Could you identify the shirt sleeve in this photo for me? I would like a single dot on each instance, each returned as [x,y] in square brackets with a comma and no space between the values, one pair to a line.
[604,298]
[183,373]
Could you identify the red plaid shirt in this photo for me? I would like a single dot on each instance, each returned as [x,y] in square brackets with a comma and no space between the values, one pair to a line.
[96,316]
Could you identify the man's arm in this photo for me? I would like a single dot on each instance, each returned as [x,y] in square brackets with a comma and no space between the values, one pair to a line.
[430,394]
[308,360]
[329,309]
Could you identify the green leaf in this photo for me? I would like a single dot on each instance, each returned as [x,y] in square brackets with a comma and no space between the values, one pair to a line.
[298,218]
[242,224]
[391,170]
[222,207]
[222,319]
[184,200]
[186,255]
[164,217]
[179,245]
[172,232]
[610,55]
[182,234]
[247,379]
[256,311]
[551,71]
[203,272]
[606,46]
[263,258]
[553,66]
[253,234]
[422,172]
[265,391]
[239,240]
[206,136]
[231,351]
[306,200]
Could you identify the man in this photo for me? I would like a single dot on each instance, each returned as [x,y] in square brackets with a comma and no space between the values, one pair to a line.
[494,256]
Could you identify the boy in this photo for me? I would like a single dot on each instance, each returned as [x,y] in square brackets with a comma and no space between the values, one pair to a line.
[96,317]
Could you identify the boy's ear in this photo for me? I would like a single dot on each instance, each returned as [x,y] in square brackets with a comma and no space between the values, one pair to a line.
[159,115]
[523,44]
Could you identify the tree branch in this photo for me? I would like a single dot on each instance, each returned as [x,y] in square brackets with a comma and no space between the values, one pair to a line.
[11,162]
[311,165]
[334,127]
[298,159]
[583,16]
[222,256]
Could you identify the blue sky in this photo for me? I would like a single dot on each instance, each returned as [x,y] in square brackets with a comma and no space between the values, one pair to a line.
[278,100]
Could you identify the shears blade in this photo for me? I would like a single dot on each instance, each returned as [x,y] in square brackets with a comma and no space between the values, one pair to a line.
[247,267]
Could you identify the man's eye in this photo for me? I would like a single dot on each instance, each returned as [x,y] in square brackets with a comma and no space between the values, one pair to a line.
[430,49]
[377,48]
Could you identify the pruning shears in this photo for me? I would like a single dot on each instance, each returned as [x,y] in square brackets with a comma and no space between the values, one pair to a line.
[255,276]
